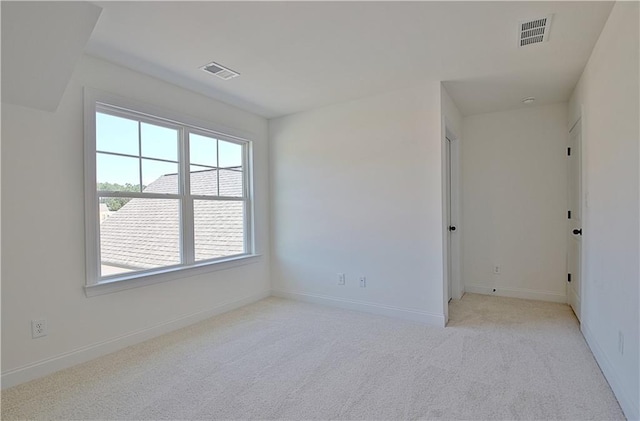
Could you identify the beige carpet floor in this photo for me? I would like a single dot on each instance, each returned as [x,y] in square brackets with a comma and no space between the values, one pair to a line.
[500,358]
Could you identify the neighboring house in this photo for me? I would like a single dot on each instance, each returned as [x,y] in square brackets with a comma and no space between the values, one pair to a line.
[104,212]
[145,233]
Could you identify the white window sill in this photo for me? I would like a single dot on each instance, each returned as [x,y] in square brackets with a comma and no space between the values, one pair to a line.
[135,281]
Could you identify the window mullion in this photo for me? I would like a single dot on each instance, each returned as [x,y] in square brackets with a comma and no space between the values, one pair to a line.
[218,166]
[186,214]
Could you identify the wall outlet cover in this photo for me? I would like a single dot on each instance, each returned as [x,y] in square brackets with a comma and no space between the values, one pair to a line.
[38,328]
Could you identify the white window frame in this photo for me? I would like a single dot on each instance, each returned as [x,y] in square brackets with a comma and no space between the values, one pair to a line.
[97,101]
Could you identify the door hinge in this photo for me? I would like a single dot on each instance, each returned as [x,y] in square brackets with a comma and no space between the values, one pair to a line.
[568,277]
[569,214]
[568,151]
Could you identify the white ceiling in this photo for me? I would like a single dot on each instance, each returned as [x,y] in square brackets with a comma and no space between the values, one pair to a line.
[295,56]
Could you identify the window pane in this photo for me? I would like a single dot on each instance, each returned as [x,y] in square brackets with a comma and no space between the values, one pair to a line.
[138,234]
[116,134]
[230,154]
[159,176]
[203,150]
[231,183]
[218,228]
[159,142]
[117,173]
[204,181]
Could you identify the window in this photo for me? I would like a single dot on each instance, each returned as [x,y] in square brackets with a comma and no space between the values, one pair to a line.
[163,195]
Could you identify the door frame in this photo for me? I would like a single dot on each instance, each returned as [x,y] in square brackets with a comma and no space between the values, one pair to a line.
[452,244]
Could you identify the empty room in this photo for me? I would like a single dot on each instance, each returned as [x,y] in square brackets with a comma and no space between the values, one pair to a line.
[320,210]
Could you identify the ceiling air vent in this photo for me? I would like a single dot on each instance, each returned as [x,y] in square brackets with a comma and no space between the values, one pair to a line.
[220,71]
[534,31]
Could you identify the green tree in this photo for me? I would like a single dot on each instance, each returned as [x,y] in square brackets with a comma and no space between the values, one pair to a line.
[115,203]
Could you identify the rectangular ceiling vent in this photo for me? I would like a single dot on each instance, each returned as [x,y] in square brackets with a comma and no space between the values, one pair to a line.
[220,71]
[534,31]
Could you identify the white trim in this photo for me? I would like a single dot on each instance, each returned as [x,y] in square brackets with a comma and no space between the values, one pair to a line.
[91,226]
[628,404]
[89,352]
[187,236]
[380,309]
[577,300]
[126,155]
[135,195]
[138,279]
[525,294]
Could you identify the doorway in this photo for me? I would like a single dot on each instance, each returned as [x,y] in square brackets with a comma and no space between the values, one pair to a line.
[574,213]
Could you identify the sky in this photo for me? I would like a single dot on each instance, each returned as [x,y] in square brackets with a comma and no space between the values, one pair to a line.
[120,135]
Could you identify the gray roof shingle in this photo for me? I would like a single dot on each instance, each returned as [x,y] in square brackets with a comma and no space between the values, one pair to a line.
[145,233]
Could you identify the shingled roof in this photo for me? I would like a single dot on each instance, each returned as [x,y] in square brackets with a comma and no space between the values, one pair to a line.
[145,233]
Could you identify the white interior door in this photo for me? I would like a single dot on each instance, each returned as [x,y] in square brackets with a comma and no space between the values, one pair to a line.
[450,228]
[574,263]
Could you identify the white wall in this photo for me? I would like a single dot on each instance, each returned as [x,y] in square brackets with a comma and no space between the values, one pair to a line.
[43,233]
[607,96]
[357,188]
[515,202]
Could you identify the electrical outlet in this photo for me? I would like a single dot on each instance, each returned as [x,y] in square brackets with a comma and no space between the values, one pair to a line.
[341,279]
[621,342]
[363,282]
[497,269]
[39,328]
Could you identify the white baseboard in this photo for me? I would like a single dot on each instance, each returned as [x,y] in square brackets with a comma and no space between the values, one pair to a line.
[526,294]
[628,404]
[86,353]
[573,297]
[380,309]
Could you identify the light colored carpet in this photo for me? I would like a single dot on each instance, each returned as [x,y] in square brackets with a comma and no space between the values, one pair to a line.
[500,358]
